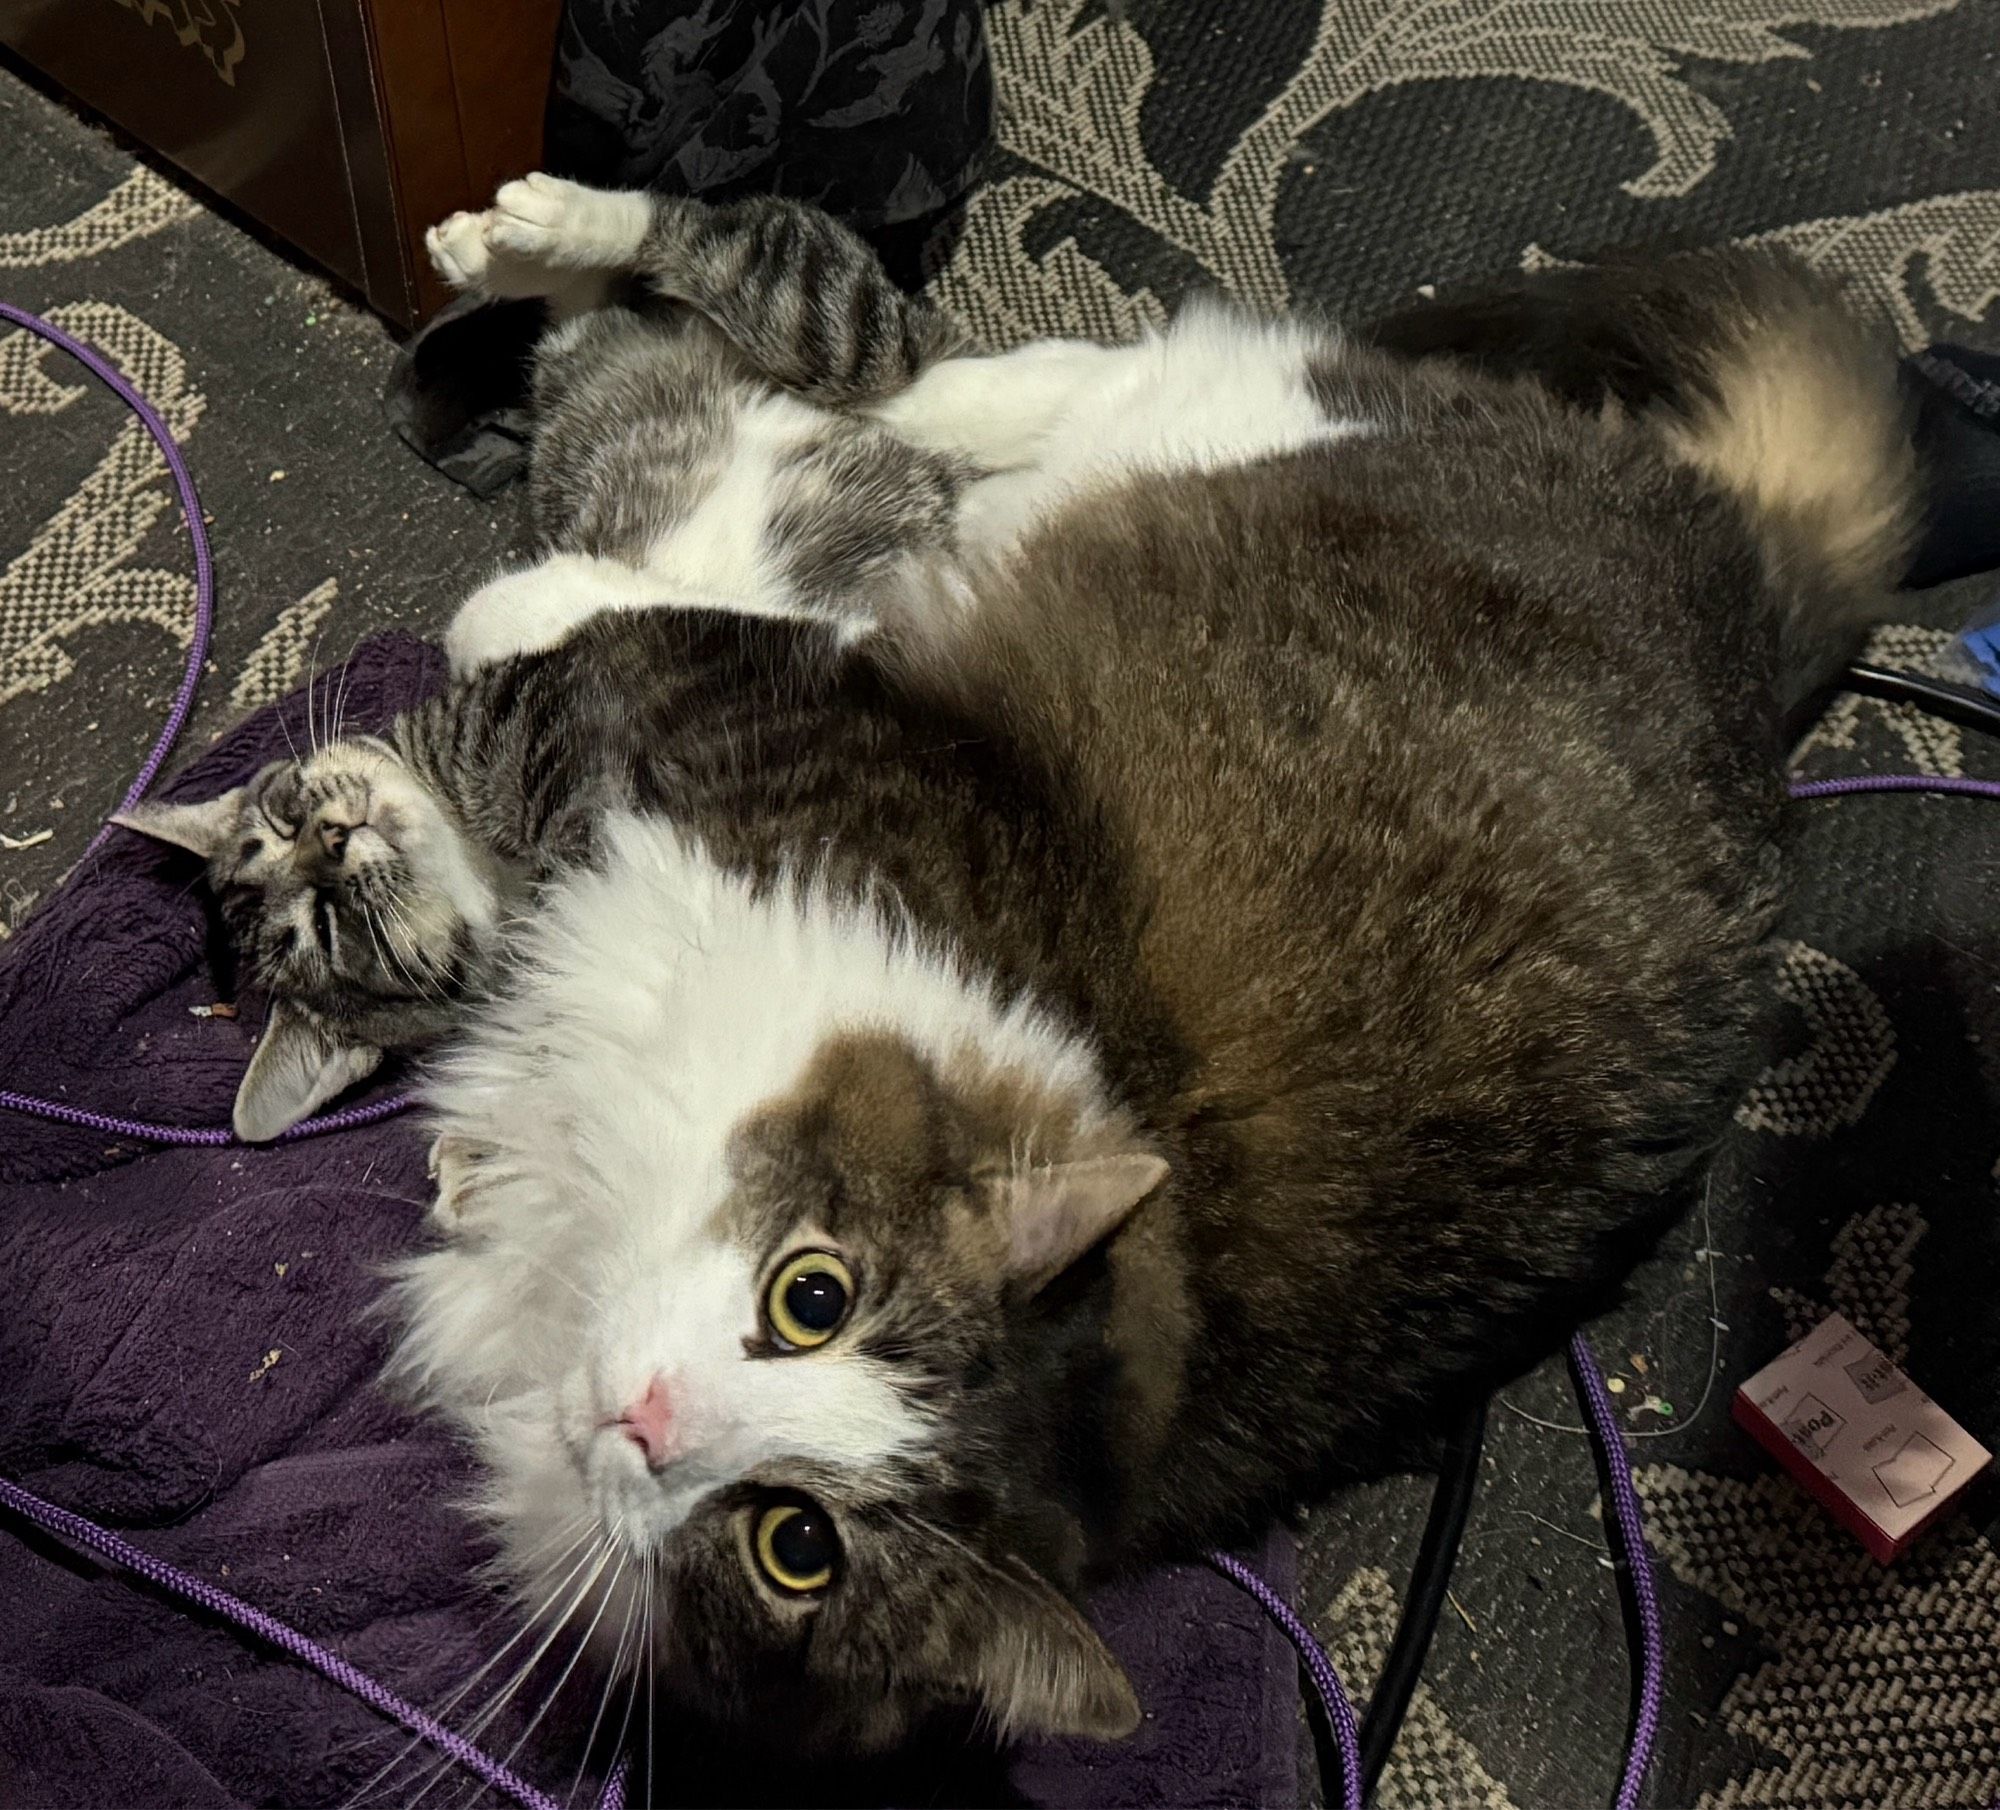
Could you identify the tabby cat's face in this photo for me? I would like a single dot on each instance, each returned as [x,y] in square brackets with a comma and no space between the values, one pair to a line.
[354,904]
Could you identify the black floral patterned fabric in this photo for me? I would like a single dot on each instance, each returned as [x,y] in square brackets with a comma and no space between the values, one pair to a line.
[878,110]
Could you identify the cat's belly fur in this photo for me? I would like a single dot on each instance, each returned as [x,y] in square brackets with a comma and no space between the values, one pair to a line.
[1057,419]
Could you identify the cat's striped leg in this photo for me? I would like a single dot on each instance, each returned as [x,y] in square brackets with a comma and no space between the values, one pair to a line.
[802,297]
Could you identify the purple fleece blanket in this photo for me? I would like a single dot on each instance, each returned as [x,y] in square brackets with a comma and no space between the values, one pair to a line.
[186,1355]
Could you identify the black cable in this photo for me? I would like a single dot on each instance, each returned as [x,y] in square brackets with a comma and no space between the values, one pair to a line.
[1451,1502]
[1961,703]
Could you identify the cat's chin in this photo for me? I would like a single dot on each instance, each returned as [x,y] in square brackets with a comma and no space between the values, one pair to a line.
[631,1502]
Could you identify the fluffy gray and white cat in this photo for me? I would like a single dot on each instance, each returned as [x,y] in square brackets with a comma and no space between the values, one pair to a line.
[1115,990]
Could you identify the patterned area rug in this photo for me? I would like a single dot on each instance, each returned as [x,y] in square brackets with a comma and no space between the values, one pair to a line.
[1339,159]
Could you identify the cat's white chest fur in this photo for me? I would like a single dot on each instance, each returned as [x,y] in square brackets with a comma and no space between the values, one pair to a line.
[585,1126]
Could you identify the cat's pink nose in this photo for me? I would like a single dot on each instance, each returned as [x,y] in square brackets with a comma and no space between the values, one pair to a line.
[649,1423]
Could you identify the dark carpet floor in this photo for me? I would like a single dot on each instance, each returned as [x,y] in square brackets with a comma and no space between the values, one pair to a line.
[1344,158]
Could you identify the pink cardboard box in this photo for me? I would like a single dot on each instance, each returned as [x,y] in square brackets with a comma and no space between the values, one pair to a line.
[1879,1455]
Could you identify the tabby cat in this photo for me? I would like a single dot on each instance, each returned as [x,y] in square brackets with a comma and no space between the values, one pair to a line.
[1152,920]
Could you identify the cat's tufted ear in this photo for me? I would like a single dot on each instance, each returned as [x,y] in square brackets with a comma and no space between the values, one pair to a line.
[1053,1213]
[201,829]
[298,1067]
[1036,1667]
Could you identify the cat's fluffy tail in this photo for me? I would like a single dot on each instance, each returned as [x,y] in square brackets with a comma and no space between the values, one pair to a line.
[1755,372]
[1789,402]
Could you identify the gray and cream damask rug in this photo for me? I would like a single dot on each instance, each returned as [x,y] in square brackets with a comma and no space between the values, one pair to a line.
[1340,157]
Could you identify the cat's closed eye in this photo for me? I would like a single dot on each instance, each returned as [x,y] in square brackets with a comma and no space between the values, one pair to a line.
[809,1299]
[796,1546]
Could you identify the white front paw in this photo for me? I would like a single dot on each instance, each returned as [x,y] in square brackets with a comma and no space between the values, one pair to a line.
[566,226]
[458,250]
[538,607]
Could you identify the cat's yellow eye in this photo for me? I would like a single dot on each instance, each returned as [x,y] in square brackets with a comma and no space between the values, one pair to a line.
[796,1547]
[809,1298]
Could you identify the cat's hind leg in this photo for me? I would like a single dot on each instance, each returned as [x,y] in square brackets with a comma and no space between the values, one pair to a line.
[807,304]
[802,299]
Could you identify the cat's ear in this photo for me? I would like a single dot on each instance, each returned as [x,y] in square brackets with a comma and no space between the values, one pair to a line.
[298,1067]
[1050,1215]
[1038,1668]
[201,829]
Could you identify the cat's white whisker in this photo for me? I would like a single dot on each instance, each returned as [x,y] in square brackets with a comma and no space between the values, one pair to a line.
[604,1700]
[400,967]
[566,1538]
[284,724]
[581,1527]
[375,939]
[651,1672]
[388,1195]
[340,697]
[312,692]
[601,1553]
[641,1679]
[594,1559]
[582,1646]
[423,985]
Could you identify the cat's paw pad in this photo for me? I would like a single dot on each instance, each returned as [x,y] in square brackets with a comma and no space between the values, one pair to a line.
[566,226]
[457,248]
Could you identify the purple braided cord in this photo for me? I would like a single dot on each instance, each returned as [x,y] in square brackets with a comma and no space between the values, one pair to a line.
[347,1119]
[1638,1564]
[1895,782]
[1326,1681]
[122,1553]
[204,566]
